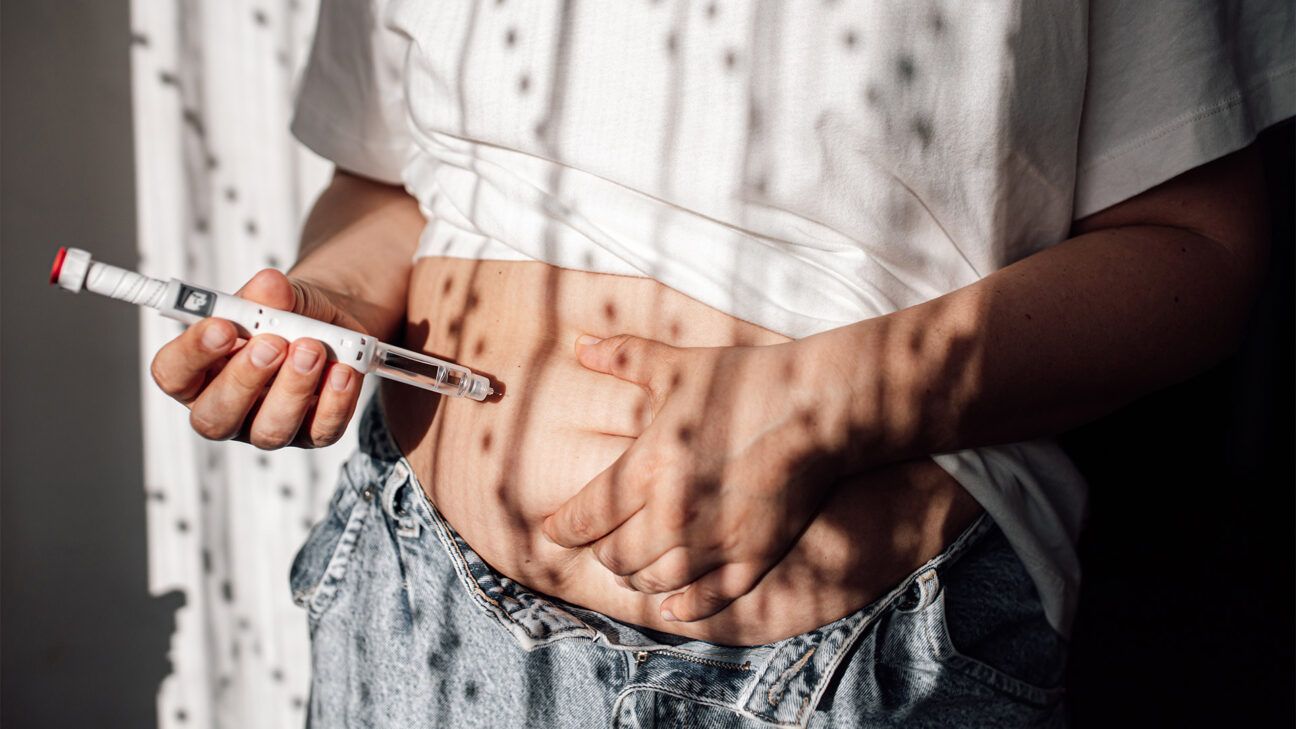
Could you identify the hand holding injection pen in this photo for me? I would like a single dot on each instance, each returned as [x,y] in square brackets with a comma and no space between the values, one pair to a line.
[221,382]
[264,390]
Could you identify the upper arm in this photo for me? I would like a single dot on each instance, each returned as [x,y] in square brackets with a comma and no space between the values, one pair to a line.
[1221,202]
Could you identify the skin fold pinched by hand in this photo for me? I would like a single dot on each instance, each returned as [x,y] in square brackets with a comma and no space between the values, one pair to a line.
[496,471]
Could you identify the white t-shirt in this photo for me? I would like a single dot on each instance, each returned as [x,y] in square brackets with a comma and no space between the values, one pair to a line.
[802,165]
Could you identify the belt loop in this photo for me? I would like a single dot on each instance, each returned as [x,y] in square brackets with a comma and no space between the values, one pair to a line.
[406,523]
[928,588]
[395,480]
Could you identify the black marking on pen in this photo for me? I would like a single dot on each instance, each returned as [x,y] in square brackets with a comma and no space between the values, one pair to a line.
[195,300]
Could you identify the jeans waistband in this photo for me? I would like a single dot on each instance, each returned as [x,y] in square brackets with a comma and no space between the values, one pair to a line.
[778,683]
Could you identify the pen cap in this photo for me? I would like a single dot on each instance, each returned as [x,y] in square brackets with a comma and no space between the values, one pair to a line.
[75,271]
[70,268]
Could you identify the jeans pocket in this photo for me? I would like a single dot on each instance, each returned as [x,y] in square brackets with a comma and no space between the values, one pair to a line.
[320,565]
[1014,659]
[979,623]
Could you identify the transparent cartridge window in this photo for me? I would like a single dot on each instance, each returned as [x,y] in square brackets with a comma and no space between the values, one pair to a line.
[429,373]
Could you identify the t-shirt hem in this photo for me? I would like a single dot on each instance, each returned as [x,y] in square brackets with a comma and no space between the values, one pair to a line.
[1020,499]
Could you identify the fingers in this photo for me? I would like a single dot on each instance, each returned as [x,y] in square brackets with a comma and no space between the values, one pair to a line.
[712,592]
[675,569]
[180,368]
[337,402]
[262,390]
[279,417]
[296,409]
[634,545]
[651,558]
[634,359]
[219,410]
[603,505]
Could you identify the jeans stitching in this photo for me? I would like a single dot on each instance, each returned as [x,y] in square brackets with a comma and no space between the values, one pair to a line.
[942,645]
[631,688]
[324,594]
[776,690]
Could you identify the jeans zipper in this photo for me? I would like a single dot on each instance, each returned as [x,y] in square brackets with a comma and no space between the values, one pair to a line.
[642,656]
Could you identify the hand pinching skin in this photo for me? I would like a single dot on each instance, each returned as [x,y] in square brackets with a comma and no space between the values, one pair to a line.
[718,486]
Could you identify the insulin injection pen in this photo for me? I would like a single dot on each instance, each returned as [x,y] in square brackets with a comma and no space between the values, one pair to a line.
[73,270]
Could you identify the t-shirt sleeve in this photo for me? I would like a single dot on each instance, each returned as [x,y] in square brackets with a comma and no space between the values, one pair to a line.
[1173,84]
[350,105]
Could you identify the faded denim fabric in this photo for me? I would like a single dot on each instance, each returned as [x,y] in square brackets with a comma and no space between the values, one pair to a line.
[410,628]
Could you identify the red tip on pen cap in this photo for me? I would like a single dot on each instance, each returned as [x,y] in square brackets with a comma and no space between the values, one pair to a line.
[58,265]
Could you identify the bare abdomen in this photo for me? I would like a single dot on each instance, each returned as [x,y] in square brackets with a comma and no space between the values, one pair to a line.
[495,470]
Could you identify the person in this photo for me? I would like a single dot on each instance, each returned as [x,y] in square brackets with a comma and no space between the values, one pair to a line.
[784,302]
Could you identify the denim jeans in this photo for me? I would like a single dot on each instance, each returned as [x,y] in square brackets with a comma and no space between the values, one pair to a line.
[410,628]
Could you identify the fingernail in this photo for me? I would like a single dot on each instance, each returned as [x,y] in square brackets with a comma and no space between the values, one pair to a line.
[216,337]
[668,616]
[339,377]
[263,353]
[304,359]
[586,340]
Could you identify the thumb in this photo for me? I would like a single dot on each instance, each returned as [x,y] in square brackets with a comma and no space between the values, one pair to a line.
[275,289]
[633,359]
[272,288]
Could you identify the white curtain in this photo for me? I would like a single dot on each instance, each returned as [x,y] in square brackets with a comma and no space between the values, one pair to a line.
[222,190]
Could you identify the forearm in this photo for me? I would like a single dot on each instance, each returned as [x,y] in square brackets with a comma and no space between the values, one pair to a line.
[359,241]
[1049,343]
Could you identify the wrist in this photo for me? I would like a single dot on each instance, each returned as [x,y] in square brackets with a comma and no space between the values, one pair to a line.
[358,243]
[876,390]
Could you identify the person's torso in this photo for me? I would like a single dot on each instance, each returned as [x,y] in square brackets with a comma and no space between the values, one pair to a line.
[767,170]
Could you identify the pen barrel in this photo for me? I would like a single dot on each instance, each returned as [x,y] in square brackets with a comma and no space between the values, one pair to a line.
[123,285]
[189,304]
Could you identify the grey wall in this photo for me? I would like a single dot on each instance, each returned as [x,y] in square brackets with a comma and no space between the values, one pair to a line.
[81,641]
